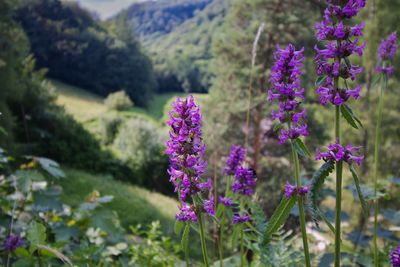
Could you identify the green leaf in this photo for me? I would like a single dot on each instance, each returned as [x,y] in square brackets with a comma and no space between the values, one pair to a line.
[359,192]
[185,240]
[317,182]
[51,252]
[323,217]
[178,227]
[346,113]
[36,236]
[301,148]
[278,218]
[50,166]
[277,127]
[320,81]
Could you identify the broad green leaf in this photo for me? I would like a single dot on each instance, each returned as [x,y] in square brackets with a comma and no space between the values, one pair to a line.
[178,227]
[50,166]
[36,236]
[301,148]
[278,218]
[348,116]
[354,115]
[359,192]
[185,240]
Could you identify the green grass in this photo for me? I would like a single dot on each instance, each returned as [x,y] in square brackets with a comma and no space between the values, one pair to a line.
[81,104]
[134,205]
[157,104]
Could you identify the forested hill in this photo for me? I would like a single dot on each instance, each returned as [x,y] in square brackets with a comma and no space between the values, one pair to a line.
[178,36]
[154,18]
[79,50]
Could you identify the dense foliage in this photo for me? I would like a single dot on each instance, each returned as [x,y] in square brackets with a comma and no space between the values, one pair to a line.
[181,48]
[76,49]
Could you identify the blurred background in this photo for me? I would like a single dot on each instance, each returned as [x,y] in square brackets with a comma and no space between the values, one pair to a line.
[89,83]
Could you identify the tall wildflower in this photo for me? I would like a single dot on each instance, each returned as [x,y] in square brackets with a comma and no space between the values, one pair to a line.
[340,41]
[236,158]
[386,52]
[186,152]
[286,89]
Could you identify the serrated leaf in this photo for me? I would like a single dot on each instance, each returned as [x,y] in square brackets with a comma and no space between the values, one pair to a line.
[348,116]
[36,235]
[301,148]
[317,182]
[178,227]
[359,192]
[278,218]
[185,241]
[353,115]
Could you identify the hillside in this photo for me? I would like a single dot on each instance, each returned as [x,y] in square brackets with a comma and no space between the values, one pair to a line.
[180,47]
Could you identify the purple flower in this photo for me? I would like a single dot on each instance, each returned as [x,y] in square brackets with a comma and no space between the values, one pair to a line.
[226,201]
[244,182]
[286,89]
[386,52]
[236,218]
[236,158]
[11,243]
[185,149]
[395,257]
[209,206]
[303,190]
[341,41]
[388,47]
[337,152]
[290,190]
[187,213]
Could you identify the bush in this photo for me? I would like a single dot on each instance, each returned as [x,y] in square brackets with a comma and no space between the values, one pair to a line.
[108,127]
[118,101]
[140,143]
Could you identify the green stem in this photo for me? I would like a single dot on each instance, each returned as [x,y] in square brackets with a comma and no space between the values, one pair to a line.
[220,245]
[241,248]
[203,240]
[339,170]
[376,168]
[300,202]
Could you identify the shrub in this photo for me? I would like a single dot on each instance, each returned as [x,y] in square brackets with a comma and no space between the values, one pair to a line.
[118,101]
[140,143]
[108,127]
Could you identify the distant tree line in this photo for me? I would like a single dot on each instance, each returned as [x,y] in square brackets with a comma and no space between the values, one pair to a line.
[77,49]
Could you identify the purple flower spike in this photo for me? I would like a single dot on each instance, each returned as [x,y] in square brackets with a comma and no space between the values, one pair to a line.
[11,243]
[245,181]
[226,201]
[286,89]
[185,149]
[341,41]
[237,219]
[395,257]
[235,159]
[388,47]
[337,152]
[386,52]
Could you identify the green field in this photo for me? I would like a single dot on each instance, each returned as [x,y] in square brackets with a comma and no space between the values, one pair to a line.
[85,106]
[133,204]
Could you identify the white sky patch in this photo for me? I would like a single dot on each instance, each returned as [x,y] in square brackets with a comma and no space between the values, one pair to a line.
[106,8]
